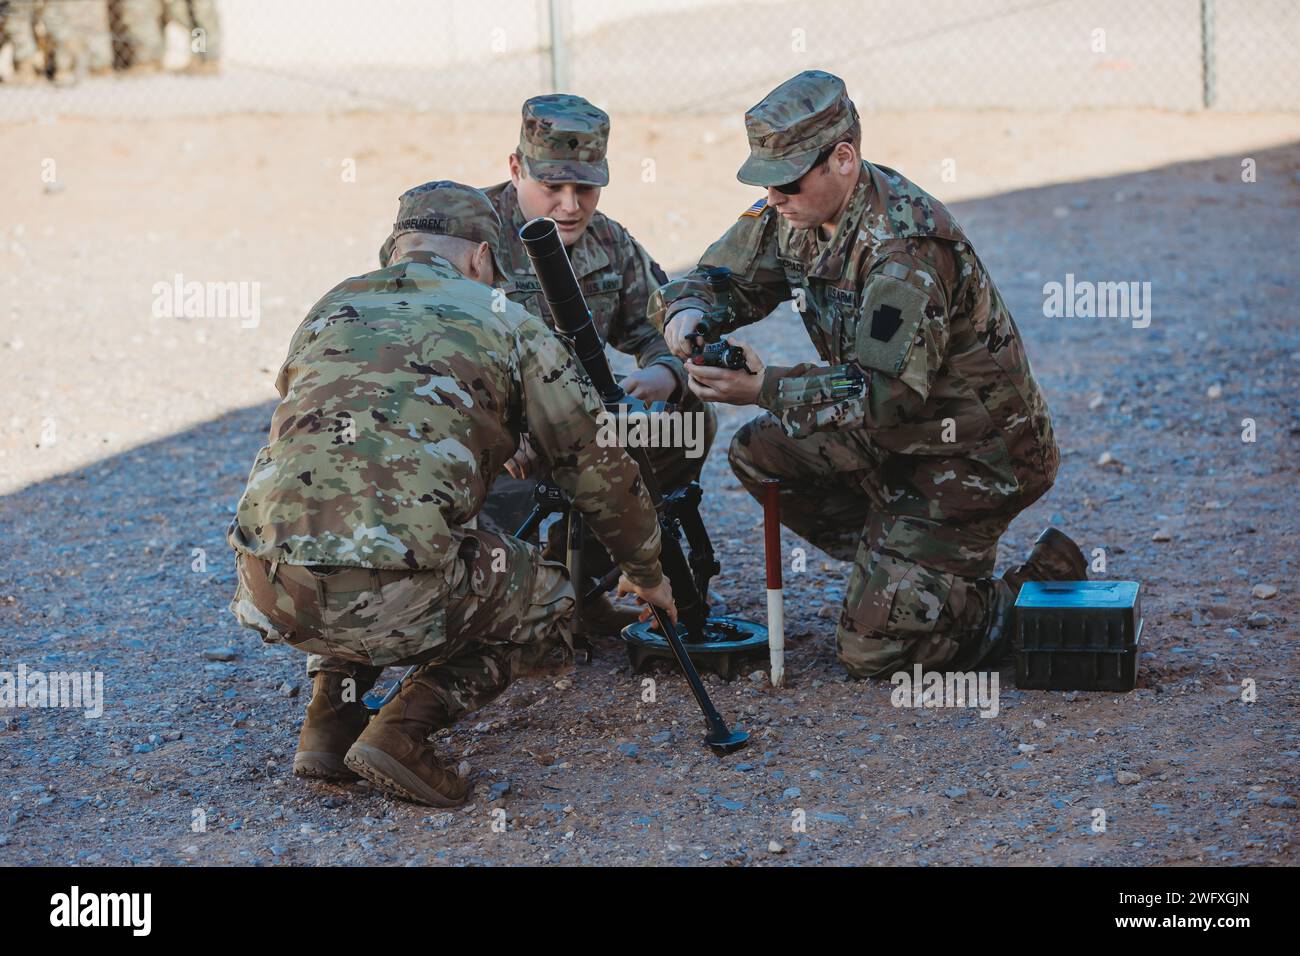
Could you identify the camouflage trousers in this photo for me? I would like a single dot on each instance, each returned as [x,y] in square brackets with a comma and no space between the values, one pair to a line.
[89,20]
[17,24]
[500,613]
[137,27]
[921,590]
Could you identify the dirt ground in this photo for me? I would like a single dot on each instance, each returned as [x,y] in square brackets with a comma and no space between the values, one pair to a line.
[127,436]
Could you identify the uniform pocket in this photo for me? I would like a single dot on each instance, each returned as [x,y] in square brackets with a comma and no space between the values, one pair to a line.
[897,598]
[411,641]
[891,315]
[828,399]
[248,614]
[395,622]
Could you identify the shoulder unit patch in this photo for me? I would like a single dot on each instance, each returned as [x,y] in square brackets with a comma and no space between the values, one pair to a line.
[756,210]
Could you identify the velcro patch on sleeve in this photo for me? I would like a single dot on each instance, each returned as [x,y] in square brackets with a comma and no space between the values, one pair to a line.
[827,399]
[833,384]
[888,323]
[756,210]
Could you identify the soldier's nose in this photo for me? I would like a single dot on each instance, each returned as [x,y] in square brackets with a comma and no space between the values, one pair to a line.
[775,197]
[569,200]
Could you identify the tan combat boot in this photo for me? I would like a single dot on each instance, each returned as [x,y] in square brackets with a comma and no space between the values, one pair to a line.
[393,754]
[332,724]
[1054,558]
[202,67]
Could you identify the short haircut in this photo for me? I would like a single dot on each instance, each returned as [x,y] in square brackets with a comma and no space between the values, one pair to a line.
[451,248]
[854,136]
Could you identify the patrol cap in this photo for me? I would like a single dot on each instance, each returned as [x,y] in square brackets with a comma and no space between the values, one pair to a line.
[792,124]
[563,140]
[446,208]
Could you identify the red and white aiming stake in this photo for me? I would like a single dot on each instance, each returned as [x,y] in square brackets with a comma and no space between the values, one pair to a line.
[775,593]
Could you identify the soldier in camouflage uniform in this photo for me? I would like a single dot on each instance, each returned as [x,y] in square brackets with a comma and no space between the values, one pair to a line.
[402,396]
[558,170]
[138,40]
[926,434]
[18,19]
[89,20]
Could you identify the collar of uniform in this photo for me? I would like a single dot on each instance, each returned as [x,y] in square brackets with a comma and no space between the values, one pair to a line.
[587,255]
[830,265]
[423,256]
[899,209]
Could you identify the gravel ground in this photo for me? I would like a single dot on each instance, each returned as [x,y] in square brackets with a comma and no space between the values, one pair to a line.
[157,419]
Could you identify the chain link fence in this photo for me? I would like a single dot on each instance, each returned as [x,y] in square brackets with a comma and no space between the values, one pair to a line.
[156,58]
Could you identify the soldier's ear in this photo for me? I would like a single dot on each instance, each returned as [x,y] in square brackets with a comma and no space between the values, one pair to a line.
[845,158]
[516,169]
[481,264]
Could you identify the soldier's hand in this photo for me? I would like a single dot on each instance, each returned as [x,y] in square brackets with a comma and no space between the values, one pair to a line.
[524,462]
[730,386]
[682,325]
[654,383]
[661,596]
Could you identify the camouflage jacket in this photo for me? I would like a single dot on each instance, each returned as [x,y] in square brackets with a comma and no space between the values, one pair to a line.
[617,277]
[401,400]
[928,377]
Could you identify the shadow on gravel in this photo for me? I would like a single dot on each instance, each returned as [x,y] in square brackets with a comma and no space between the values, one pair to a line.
[129,552]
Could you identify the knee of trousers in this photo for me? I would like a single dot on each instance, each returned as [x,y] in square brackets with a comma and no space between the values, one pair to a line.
[549,620]
[748,452]
[509,593]
[898,613]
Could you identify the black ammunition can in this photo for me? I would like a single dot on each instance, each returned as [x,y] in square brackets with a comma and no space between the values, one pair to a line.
[1077,635]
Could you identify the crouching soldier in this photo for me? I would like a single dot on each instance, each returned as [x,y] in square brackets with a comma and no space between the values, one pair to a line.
[403,395]
[924,435]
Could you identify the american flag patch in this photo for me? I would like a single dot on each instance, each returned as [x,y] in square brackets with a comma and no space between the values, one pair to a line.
[756,209]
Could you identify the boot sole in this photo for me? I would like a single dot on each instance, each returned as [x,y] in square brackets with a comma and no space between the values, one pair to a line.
[319,765]
[393,778]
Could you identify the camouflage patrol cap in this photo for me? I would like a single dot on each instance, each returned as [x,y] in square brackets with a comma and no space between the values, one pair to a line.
[445,208]
[792,124]
[563,140]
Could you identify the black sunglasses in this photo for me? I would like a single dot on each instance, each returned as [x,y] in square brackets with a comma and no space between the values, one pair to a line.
[792,189]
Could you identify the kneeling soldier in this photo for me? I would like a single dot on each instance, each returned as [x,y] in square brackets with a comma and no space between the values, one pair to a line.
[912,451]
[402,397]
[558,170]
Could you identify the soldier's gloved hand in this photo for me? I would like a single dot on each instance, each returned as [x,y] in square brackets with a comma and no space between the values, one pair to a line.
[524,462]
[679,328]
[730,386]
[661,596]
